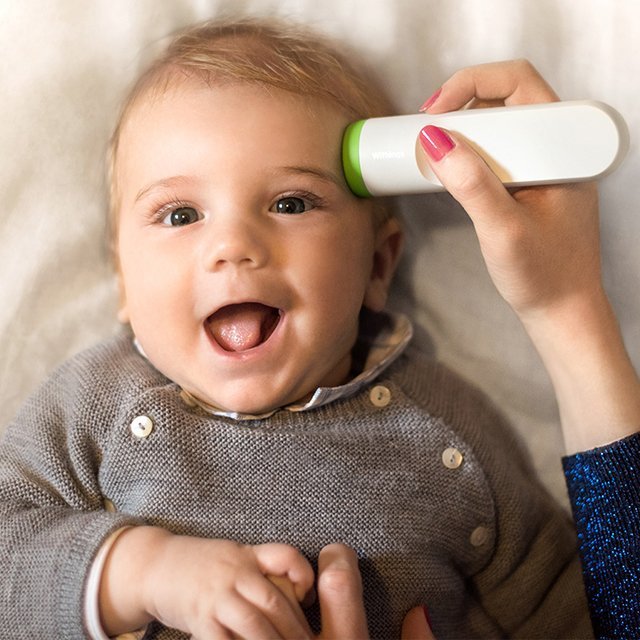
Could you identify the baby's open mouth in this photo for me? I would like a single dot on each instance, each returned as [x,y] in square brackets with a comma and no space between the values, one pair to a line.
[239,327]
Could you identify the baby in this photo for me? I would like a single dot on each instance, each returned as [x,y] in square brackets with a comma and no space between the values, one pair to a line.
[183,476]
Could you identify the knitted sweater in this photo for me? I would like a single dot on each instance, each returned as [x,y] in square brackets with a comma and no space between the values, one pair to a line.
[604,487]
[417,473]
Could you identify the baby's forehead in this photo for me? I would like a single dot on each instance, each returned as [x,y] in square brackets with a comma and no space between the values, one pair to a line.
[193,126]
[178,95]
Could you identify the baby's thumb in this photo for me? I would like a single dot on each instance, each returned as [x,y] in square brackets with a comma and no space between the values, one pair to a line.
[281,560]
[416,625]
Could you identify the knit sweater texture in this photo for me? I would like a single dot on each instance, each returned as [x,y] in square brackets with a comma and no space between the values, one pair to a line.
[429,486]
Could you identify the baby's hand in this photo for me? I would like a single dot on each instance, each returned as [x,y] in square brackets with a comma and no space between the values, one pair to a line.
[210,588]
[540,244]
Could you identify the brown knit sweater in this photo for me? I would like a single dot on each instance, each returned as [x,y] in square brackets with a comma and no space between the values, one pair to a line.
[421,477]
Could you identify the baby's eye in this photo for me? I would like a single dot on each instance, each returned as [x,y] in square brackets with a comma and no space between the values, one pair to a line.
[181,216]
[292,204]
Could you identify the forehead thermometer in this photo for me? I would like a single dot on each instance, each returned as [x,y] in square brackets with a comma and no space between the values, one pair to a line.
[524,145]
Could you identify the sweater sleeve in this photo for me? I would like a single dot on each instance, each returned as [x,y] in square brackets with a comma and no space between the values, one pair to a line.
[52,517]
[604,489]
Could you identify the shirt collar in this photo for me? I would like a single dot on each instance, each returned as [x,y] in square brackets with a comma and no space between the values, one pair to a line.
[383,337]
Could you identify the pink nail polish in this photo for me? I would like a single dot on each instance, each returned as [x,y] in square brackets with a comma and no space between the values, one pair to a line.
[436,142]
[426,615]
[430,101]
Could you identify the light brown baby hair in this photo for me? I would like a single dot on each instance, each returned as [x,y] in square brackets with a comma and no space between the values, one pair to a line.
[268,52]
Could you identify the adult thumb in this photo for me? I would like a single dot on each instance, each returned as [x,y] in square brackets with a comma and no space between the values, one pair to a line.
[416,625]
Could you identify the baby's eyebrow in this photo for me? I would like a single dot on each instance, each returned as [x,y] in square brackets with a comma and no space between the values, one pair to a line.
[177,181]
[165,183]
[317,172]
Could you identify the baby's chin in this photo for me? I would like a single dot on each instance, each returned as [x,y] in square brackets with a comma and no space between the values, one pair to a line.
[258,398]
[253,406]
[253,388]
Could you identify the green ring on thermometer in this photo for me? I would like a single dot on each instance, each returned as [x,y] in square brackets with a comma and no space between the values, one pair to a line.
[351,159]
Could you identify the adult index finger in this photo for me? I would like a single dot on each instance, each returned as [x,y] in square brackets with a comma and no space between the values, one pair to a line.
[340,594]
[511,82]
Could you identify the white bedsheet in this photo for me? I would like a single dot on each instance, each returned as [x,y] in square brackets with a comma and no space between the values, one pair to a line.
[64,65]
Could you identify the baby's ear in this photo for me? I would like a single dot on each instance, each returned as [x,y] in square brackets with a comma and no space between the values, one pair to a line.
[388,247]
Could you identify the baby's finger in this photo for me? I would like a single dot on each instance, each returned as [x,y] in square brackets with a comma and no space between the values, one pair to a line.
[511,82]
[240,617]
[211,630]
[284,560]
[468,178]
[279,607]
[287,588]
[285,585]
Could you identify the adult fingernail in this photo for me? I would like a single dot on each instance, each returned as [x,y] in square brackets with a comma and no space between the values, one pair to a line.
[309,598]
[430,101]
[436,142]
[426,615]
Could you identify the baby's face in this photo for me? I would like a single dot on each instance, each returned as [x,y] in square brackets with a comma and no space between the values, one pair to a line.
[244,258]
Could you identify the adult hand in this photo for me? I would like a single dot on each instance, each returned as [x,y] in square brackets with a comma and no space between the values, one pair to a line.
[341,604]
[540,244]
[542,249]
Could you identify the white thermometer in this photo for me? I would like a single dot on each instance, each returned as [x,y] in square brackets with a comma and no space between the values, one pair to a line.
[524,145]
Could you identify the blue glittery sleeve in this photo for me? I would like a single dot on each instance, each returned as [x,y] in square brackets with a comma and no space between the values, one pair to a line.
[604,489]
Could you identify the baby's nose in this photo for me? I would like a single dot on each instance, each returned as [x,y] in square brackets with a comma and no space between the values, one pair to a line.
[235,242]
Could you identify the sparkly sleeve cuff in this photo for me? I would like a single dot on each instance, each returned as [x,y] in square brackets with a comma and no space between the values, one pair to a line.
[604,489]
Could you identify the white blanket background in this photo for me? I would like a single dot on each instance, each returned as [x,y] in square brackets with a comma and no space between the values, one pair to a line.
[65,64]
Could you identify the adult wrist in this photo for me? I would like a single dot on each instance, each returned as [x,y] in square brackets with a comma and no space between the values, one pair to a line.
[595,383]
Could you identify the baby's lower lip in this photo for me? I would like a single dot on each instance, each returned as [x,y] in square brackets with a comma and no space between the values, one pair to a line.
[238,328]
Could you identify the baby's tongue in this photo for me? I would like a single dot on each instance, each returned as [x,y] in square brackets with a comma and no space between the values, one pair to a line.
[239,327]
